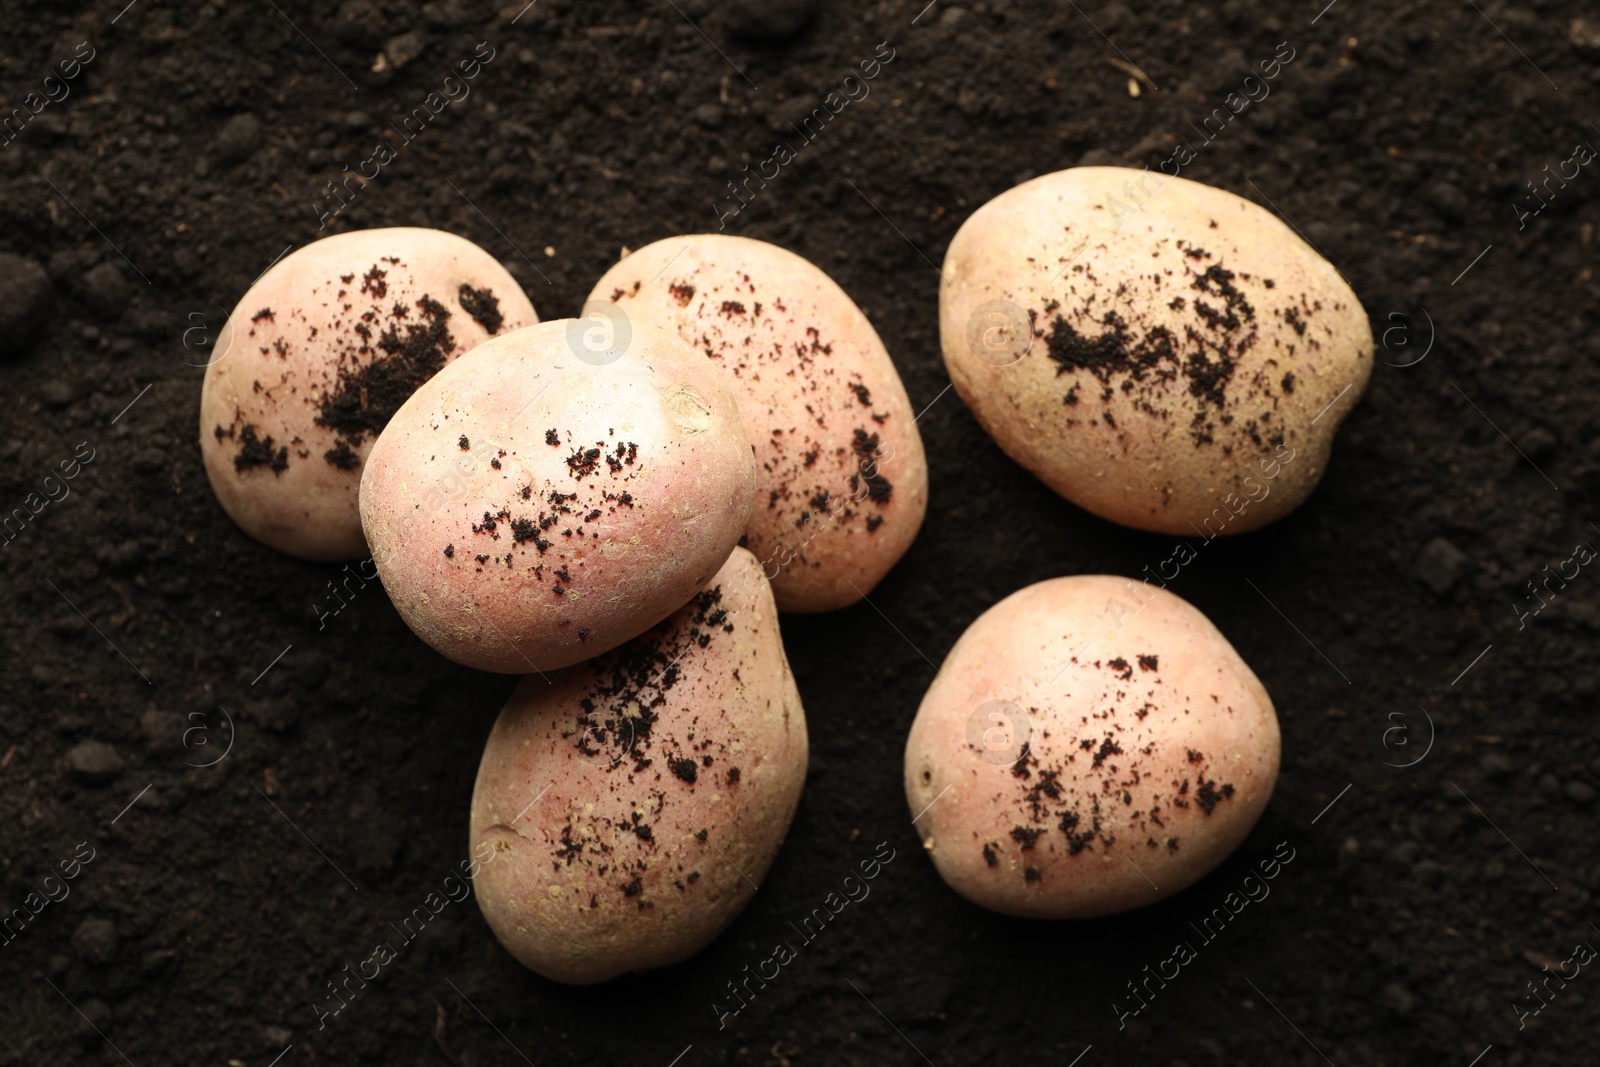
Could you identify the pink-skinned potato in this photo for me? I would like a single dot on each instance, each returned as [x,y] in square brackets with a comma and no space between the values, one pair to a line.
[633,802]
[1088,740]
[317,357]
[1165,354]
[541,500]
[843,481]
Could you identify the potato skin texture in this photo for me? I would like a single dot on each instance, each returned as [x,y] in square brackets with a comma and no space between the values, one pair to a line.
[843,480]
[315,359]
[1156,746]
[624,797]
[527,509]
[1191,357]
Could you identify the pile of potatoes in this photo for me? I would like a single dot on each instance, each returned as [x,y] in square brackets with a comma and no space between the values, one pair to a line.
[617,507]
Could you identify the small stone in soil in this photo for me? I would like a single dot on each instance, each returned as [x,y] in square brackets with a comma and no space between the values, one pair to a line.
[95,761]
[95,941]
[1439,565]
[105,290]
[24,301]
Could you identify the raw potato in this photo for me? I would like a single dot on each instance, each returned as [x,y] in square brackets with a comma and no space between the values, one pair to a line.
[635,800]
[843,483]
[1165,354]
[1088,740]
[541,502]
[317,357]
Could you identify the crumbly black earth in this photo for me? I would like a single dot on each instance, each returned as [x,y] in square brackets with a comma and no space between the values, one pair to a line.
[1398,141]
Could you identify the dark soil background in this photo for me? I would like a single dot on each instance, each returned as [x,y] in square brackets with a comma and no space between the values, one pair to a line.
[139,622]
